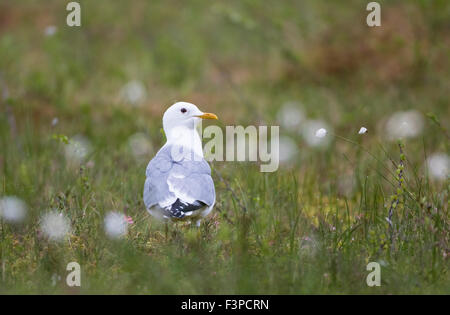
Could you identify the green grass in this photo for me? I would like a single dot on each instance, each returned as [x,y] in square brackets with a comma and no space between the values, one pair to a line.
[292,231]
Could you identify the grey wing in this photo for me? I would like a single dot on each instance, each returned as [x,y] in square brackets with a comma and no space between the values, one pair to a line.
[169,179]
[191,181]
[156,189]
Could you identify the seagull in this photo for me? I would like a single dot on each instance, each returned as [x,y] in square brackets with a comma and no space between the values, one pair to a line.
[178,185]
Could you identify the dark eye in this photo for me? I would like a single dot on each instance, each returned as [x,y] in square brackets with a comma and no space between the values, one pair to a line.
[183,110]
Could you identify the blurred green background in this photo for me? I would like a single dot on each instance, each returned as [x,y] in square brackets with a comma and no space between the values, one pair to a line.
[310,227]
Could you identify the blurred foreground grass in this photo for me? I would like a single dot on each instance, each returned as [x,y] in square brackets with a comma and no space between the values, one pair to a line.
[310,227]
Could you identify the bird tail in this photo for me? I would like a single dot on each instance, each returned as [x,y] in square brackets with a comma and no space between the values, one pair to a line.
[179,209]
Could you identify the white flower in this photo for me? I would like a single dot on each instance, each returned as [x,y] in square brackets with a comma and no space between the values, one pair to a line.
[55,225]
[50,30]
[308,246]
[140,145]
[288,149]
[133,92]
[12,209]
[383,263]
[406,124]
[116,225]
[290,115]
[55,279]
[77,149]
[314,132]
[362,131]
[320,133]
[438,165]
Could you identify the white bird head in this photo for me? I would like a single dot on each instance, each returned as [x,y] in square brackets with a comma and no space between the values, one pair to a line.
[185,115]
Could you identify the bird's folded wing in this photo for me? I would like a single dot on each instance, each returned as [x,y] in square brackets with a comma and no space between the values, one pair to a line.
[193,187]
[169,179]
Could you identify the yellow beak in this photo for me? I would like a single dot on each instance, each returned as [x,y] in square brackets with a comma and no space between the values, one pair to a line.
[208,116]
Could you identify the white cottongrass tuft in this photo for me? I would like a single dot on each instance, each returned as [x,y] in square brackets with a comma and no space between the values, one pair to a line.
[308,245]
[407,124]
[133,92]
[290,115]
[55,121]
[362,131]
[288,150]
[320,133]
[116,225]
[50,30]
[12,209]
[438,166]
[55,279]
[77,149]
[314,132]
[55,225]
[140,145]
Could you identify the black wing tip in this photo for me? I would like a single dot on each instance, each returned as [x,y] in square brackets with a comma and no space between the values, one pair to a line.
[179,208]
